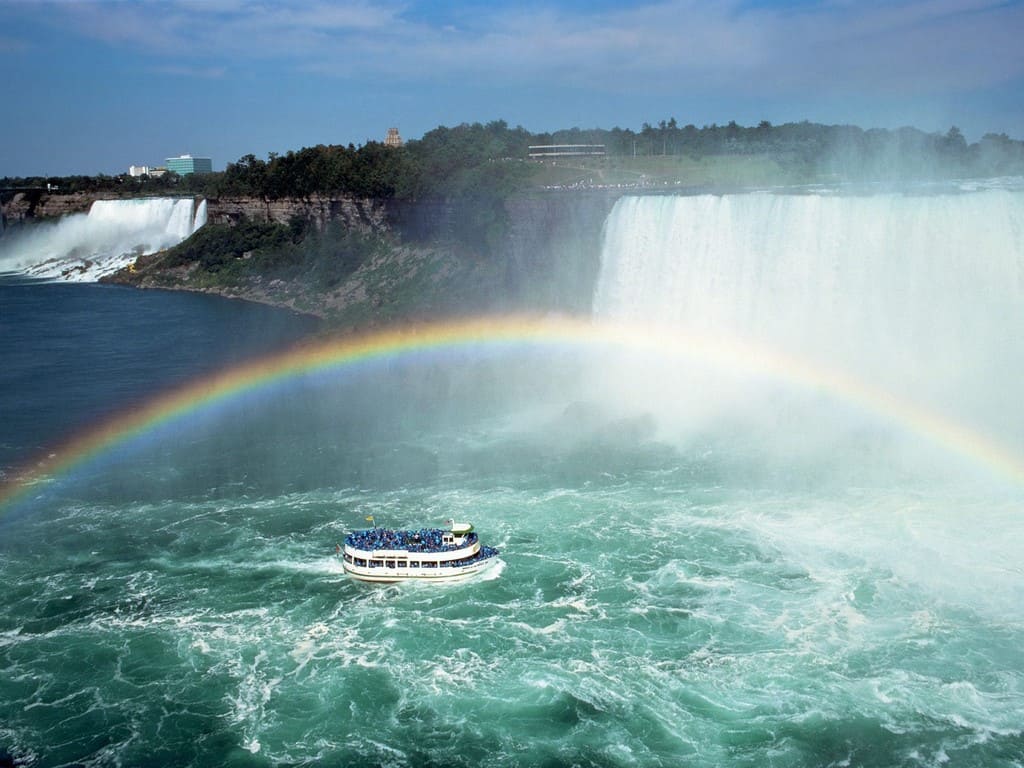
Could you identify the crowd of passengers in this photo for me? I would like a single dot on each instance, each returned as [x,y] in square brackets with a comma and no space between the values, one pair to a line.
[423,540]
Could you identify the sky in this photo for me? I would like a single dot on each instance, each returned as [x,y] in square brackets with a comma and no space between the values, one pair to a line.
[93,87]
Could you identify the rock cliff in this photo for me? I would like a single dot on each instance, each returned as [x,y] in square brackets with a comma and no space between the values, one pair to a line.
[37,204]
[535,252]
[552,249]
[367,215]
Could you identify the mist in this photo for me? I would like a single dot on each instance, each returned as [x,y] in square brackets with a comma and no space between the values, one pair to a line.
[916,295]
[775,338]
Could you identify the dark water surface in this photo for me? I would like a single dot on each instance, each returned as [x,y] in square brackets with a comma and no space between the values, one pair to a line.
[74,353]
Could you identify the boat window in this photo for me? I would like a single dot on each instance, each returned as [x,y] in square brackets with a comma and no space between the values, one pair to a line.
[414,564]
[391,563]
[376,563]
[403,564]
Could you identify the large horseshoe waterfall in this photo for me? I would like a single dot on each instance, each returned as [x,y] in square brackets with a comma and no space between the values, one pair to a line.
[921,294]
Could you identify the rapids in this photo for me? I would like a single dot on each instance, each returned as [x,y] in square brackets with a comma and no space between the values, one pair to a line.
[701,566]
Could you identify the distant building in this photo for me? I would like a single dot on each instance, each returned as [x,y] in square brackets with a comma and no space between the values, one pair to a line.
[566,150]
[392,139]
[186,164]
[145,170]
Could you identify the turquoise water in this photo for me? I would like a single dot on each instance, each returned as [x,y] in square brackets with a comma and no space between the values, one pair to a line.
[657,603]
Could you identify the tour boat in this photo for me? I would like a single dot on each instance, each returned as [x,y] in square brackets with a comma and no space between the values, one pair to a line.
[427,554]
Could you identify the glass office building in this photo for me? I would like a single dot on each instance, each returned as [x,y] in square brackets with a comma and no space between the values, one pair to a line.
[187,164]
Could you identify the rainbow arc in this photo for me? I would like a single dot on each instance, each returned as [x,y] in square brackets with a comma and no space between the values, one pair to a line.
[496,332]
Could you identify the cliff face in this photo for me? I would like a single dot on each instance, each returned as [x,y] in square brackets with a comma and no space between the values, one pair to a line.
[364,215]
[548,255]
[552,251]
[36,204]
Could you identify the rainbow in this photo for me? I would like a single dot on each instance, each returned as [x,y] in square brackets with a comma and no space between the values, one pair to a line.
[498,332]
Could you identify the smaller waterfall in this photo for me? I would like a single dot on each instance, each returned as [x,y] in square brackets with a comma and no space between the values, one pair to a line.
[200,218]
[85,247]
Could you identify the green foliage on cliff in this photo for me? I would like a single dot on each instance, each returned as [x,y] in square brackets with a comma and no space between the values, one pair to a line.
[217,248]
[222,256]
[490,160]
[323,260]
[349,278]
[465,161]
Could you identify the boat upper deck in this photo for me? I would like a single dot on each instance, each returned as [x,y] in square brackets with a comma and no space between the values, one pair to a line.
[426,540]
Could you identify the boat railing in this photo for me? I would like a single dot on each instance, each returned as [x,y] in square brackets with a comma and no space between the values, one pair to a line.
[425,540]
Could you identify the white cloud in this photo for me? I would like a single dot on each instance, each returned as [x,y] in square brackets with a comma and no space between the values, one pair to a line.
[685,45]
[320,16]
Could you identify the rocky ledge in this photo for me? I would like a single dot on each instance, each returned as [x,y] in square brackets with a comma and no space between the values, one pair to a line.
[42,205]
[354,214]
[364,215]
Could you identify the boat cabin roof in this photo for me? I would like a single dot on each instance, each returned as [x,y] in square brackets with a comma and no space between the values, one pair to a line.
[422,540]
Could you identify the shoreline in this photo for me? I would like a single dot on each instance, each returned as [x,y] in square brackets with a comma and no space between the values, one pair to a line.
[226,293]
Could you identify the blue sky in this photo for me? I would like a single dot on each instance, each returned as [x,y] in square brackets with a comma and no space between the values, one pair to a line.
[92,87]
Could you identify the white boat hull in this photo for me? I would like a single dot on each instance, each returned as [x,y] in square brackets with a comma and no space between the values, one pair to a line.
[386,575]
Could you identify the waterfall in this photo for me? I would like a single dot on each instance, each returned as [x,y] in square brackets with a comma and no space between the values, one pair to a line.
[919,294]
[85,247]
[200,218]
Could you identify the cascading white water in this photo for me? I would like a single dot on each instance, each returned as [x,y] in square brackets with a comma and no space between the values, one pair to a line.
[200,217]
[85,247]
[919,294]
